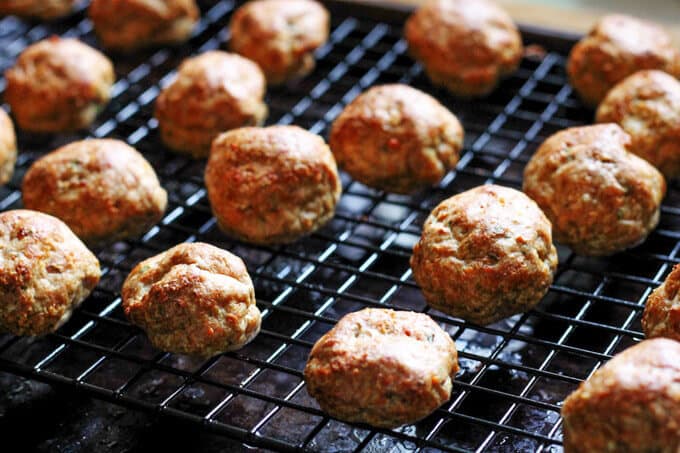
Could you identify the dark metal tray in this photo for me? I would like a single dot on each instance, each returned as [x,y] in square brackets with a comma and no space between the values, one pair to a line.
[514,373]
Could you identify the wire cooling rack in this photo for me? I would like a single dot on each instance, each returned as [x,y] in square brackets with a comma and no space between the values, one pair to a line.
[514,374]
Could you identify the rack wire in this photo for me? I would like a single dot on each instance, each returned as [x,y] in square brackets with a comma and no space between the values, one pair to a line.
[514,374]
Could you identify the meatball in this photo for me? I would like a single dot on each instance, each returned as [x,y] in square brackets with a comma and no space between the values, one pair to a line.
[631,404]
[271,185]
[465,46]
[39,9]
[127,25]
[58,85]
[382,367]
[396,138]
[616,47]
[103,189]
[485,254]
[193,299]
[213,92]
[8,148]
[662,312]
[647,106]
[280,36]
[45,272]
[600,198]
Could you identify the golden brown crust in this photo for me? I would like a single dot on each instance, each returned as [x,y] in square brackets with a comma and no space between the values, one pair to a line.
[40,9]
[465,46]
[631,404]
[616,47]
[485,254]
[271,185]
[213,92]
[58,85]
[600,198]
[662,312]
[104,190]
[396,138]
[280,36]
[8,148]
[647,106]
[382,367]
[127,25]
[45,272]
[193,299]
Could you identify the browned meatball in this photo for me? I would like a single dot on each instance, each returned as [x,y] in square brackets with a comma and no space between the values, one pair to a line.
[465,46]
[600,198]
[58,85]
[271,185]
[485,254]
[126,25]
[631,404]
[647,106]
[45,272]
[396,138]
[103,189]
[616,47]
[213,92]
[382,367]
[8,148]
[280,36]
[662,312]
[193,299]
[40,9]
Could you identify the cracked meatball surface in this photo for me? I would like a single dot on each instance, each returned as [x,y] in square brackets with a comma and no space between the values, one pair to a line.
[382,367]
[8,148]
[39,9]
[485,254]
[465,46]
[45,272]
[647,106]
[213,92]
[280,36]
[631,404]
[103,189]
[661,317]
[193,299]
[58,84]
[396,138]
[271,185]
[616,47]
[600,198]
[126,25]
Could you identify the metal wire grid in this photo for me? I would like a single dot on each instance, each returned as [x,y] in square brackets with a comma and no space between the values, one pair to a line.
[514,373]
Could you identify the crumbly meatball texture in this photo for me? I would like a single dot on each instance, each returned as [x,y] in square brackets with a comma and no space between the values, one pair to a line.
[127,25]
[213,92]
[485,254]
[396,138]
[616,47]
[103,189]
[280,36]
[465,46]
[647,106]
[600,198]
[58,84]
[39,9]
[45,272]
[193,299]
[8,148]
[382,367]
[631,404]
[662,312]
[271,185]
